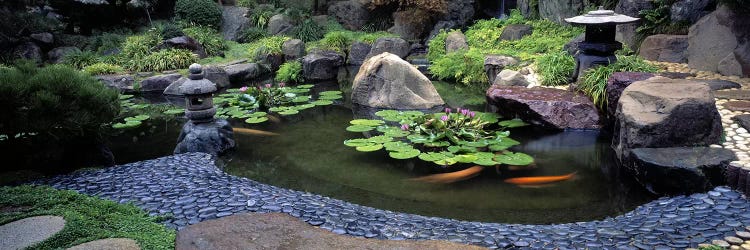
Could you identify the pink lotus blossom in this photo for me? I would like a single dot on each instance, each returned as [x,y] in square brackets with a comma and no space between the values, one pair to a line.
[404,127]
[458,110]
[268,85]
[282,84]
[444,118]
[472,114]
[243,89]
[448,110]
[464,112]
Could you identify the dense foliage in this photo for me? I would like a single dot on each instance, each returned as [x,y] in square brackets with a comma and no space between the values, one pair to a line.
[86,218]
[658,21]
[211,40]
[167,59]
[484,39]
[55,101]
[80,59]
[594,80]
[555,68]
[267,45]
[290,72]
[200,12]
[443,138]
[102,69]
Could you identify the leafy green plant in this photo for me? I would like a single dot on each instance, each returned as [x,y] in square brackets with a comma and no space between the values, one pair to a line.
[261,15]
[252,34]
[252,104]
[555,68]
[594,81]
[200,12]
[134,114]
[212,41]
[106,42]
[308,31]
[168,59]
[136,48]
[267,45]
[289,72]
[437,46]
[102,69]
[80,59]
[55,101]
[466,67]
[337,40]
[443,138]
[168,30]
[247,3]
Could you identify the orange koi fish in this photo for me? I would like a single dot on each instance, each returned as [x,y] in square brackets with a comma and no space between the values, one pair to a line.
[537,180]
[248,131]
[451,177]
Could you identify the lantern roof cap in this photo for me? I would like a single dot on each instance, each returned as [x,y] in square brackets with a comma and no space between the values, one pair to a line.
[196,84]
[601,16]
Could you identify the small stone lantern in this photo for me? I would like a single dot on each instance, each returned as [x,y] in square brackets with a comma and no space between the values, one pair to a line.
[199,104]
[202,133]
[599,46]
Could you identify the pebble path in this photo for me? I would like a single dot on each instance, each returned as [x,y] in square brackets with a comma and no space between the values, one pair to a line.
[189,189]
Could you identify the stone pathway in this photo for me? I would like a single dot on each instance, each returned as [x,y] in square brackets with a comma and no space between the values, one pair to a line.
[191,188]
[29,231]
[281,231]
[109,244]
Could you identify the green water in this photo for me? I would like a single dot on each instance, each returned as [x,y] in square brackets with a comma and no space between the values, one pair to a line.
[309,155]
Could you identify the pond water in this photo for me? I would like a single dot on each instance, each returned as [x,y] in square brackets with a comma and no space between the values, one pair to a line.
[308,154]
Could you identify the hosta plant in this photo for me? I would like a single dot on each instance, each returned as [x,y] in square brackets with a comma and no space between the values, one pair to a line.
[444,138]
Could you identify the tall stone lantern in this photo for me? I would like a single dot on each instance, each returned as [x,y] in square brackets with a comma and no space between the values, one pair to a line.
[202,133]
[599,46]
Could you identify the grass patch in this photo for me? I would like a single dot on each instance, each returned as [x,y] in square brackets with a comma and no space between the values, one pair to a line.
[555,68]
[594,81]
[87,218]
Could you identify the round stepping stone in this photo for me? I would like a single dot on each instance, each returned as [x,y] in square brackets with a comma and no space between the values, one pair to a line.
[745,246]
[720,243]
[734,240]
[743,235]
[29,231]
[108,244]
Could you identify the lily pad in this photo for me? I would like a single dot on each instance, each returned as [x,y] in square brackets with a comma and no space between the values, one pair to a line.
[331,92]
[303,98]
[397,133]
[370,148]
[485,162]
[512,123]
[366,122]
[297,91]
[466,158]
[380,139]
[517,159]
[388,112]
[330,97]
[322,102]
[358,142]
[254,120]
[415,138]
[259,114]
[289,112]
[397,146]
[402,155]
[359,128]
[174,112]
[305,86]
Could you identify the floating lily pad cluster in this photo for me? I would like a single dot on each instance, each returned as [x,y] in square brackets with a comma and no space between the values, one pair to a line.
[250,103]
[444,138]
[136,113]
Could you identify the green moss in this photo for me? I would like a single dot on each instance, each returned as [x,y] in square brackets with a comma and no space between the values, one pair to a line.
[87,218]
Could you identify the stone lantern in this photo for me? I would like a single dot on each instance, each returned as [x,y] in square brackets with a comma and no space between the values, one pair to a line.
[599,46]
[202,133]
[199,105]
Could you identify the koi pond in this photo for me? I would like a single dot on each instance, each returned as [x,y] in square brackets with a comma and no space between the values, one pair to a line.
[306,152]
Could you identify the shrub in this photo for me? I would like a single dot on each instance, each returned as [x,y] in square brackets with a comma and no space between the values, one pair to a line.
[105,42]
[140,45]
[466,67]
[370,38]
[267,45]
[212,41]
[252,34]
[80,60]
[594,80]
[102,69]
[337,40]
[200,12]
[261,14]
[55,101]
[247,3]
[308,31]
[436,46]
[168,30]
[167,59]
[555,68]
[290,72]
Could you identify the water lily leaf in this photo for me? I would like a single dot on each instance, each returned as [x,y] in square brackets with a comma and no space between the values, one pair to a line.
[358,142]
[370,148]
[485,162]
[258,114]
[331,92]
[415,138]
[125,97]
[462,149]
[512,123]
[289,112]
[277,109]
[397,133]
[388,112]
[305,86]
[402,155]
[517,159]
[304,106]
[330,97]
[366,122]
[120,126]
[297,91]
[446,162]
[435,156]
[466,158]
[174,112]
[502,133]
[488,117]
[139,106]
[254,120]
[359,128]
[397,146]
[503,144]
[413,113]
[436,144]
[380,139]
[476,144]
[303,98]
[322,102]
[485,155]
[393,118]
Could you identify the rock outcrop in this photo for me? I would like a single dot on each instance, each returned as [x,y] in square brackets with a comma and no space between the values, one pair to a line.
[720,42]
[547,107]
[393,45]
[665,48]
[387,81]
[680,170]
[233,22]
[455,41]
[626,32]
[322,65]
